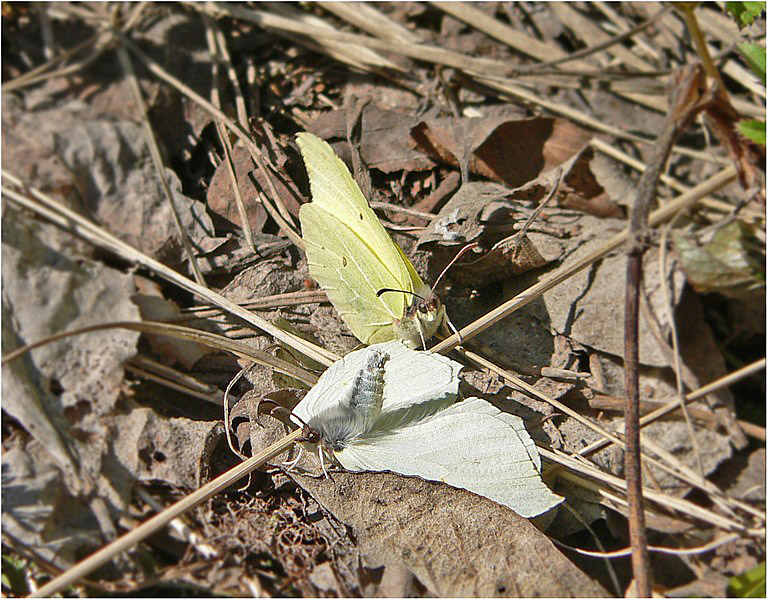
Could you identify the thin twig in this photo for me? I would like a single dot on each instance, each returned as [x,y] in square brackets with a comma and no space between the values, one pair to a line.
[586,475]
[589,50]
[221,44]
[519,384]
[608,565]
[726,539]
[688,100]
[670,407]
[672,207]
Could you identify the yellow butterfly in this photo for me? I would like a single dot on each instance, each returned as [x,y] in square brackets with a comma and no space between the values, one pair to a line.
[367,277]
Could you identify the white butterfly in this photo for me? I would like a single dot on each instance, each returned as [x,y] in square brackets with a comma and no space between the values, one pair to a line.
[389,408]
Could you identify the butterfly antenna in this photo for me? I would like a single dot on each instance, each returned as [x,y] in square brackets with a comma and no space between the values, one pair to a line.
[383,290]
[459,254]
[304,424]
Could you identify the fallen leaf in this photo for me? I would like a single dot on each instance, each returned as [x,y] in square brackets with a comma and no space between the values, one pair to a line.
[456,543]
[107,163]
[384,139]
[48,289]
[221,196]
[72,479]
[508,151]
[731,263]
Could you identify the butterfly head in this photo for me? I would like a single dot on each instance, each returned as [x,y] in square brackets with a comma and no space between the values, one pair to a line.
[425,308]
[422,317]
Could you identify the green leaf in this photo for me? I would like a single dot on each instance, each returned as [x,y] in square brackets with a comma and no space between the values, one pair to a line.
[731,263]
[753,129]
[745,12]
[754,54]
[750,584]
[13,575]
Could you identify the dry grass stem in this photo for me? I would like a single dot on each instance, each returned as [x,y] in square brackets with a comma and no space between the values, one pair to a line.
[682,202]
[71,221]
[162,519]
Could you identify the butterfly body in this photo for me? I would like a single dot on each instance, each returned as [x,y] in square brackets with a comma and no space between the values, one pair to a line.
[353,415]
[351,256]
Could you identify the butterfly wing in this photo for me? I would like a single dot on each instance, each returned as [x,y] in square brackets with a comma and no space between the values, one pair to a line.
[350,273]
[410,378]
[352,257]
[470,445]
[334,386]
[335,192]
[414,378]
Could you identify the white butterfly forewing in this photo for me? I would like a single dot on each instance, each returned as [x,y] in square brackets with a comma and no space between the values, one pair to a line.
[470,445]
[411,378]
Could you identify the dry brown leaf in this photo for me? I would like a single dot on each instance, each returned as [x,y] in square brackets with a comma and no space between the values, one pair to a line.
[580,186]
[508,151]
[384,139]
[455,542]
[221,197]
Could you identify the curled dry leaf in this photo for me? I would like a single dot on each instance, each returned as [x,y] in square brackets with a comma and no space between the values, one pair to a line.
[508,151]
[490,215]
[511,256]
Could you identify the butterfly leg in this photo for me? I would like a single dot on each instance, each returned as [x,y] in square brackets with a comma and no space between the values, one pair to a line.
[290,464]
[447,321]
[322,463]
[421,335]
